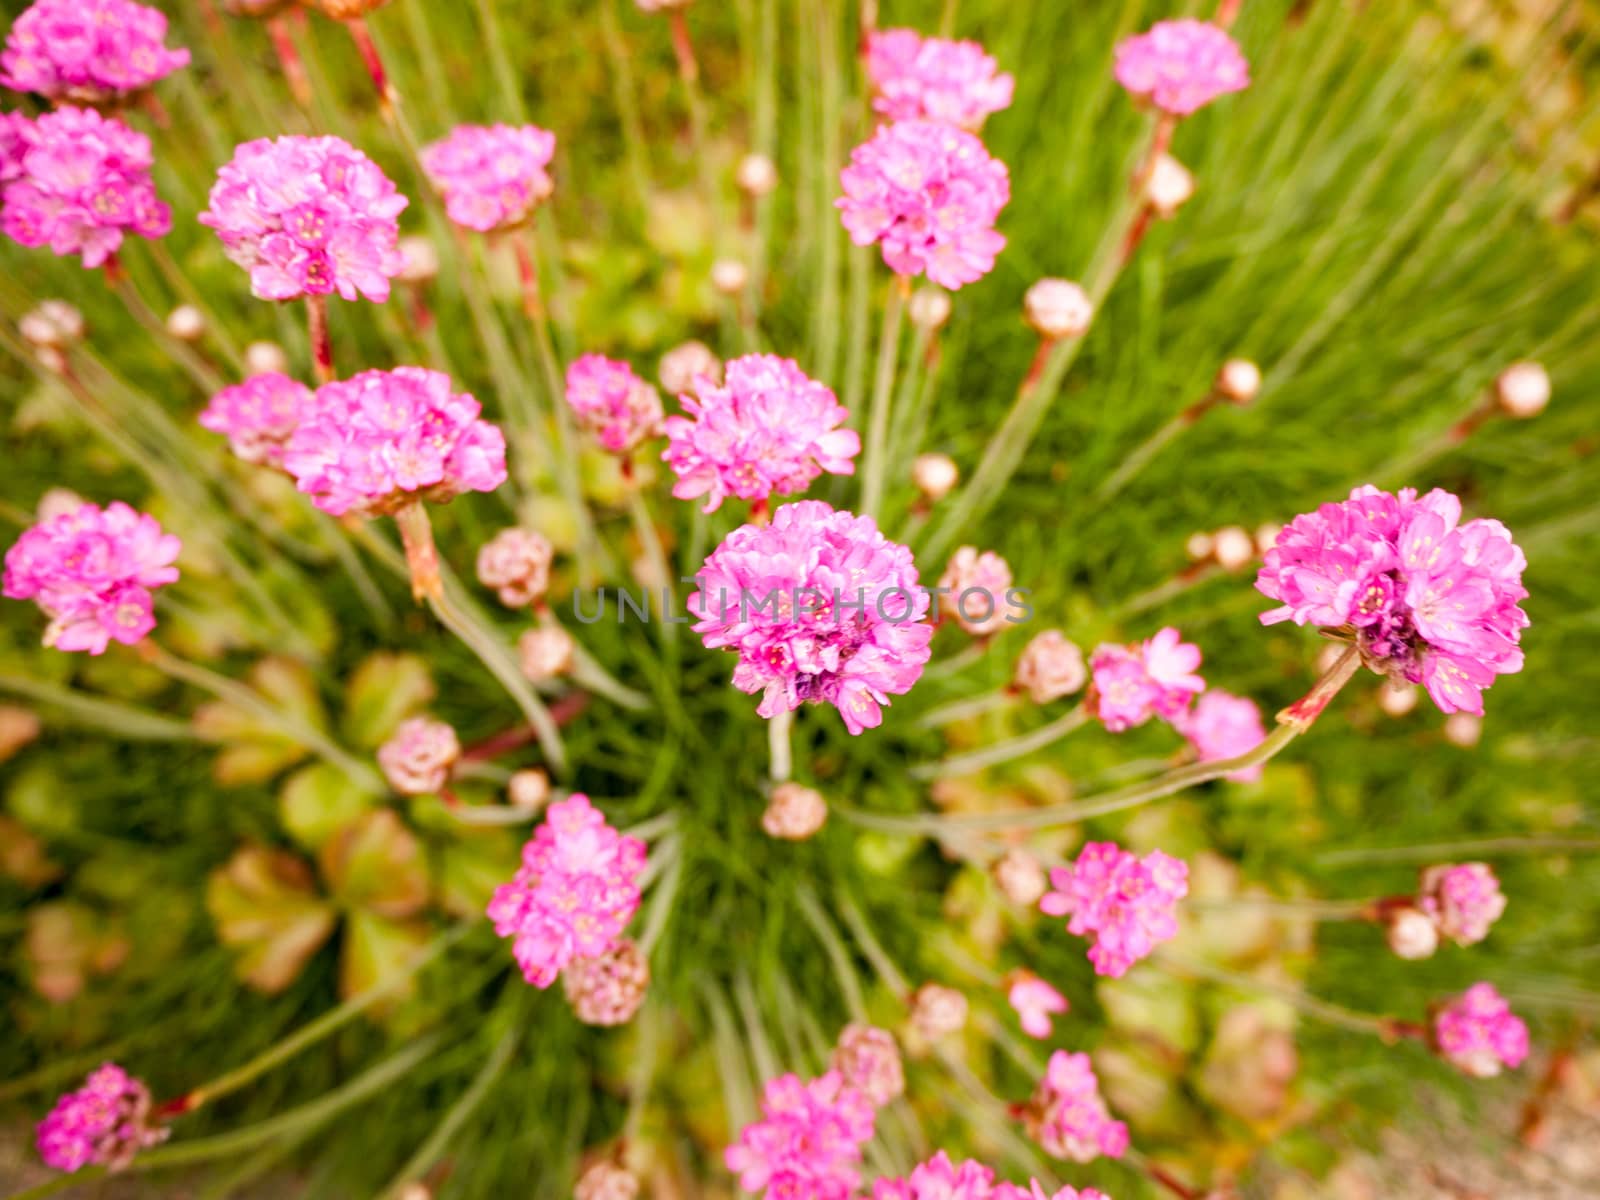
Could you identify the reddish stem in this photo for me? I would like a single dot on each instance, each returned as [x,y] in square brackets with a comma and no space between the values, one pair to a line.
[294,70]
[368,49]
[1171,1182]
[422,556]
[1469,424]
[1160,142]
[1304,711]
[562,711]
[528,272]
[1041,356]
[1228,12]
[683,46]
[321,341]
[1136,232]
[759,514]
[421,314]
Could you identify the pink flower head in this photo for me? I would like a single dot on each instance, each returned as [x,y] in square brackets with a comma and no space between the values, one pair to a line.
[1223,726]
[820,607]
[574,894]
[80,183]
[608,989]
[1035,1002]
[93,572]
[516,563]
[1036,1191]
[1427,599]
[1125,903]
[105,1122]
[13,144]
[308,216]
[1181,66]
[418,759]
[978,587]
[609,399]
[258,415]
[768,428]
[93,51]
[491,176]
[868,1059]
[1067,1116]
[1131,684]
[807,1146]
[1479,1033]
[378,440]
[931,195]
[939,1179]
[931,79]
[1463,899]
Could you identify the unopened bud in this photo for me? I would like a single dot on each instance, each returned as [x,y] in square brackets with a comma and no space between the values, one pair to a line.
[1411,932]
[418,759]
[934,475]
[1523,390]
[1267,536]
[57,502]
[1200,546]
[729,276]
[794,813]
[1049,668]
[606,1180]
[1238,381]
[1397,699]
[1463,729]
[929,308]
[528,789]
[186,323]
[262,357]
[1019,877]
[757,175]
[420,260]
[52,324]
[1234,549]
[414,1191]
[347,10]
[1170,186]
[545,652]
[937,1011]
[1057,308]
[681,365]
[868,1059]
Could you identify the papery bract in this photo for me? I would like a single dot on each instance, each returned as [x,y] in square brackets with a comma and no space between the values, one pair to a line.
[417,759]
[976,587]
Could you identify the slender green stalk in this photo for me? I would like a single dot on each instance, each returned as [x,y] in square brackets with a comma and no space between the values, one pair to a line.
[873,948]
[664,581]
[500,61]
[873,464]
[204,375]
[844,970]
[176,279]
[1000,752]
[780,752]
[1141,456]
[624,94]
[109,716]
[1384,1027]
[962,710]
[1491,847]
[662,896]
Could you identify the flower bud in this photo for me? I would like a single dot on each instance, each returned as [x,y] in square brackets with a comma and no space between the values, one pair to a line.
[1233,548]
[1200,546]
[1058,309]
[609,988]
[52,324]
[58,501]
[262,357]
[1049,668]
[937,1011]
[976,585]
[606,1180]
[929,308]
[18,727]
[1522,390]
[682,364]
[1019,877]
[868,1059]
[260,9]
[421,259]
[1397,699]
[186,323]
[757,176]
[1170,186]
[417,759]
[1238,381]
[1463,729]
[529,789]
[347,10]
[1411,932]
[794,813]
[1267,536]
[545,652]
[729,276]
[934,475]
[516,563]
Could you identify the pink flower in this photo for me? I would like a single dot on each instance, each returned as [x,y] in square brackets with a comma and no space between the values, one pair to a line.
[868,1059]
[1181,66]
[13,144]
[1066,1115]
[1126,904]
[1035,1002]
[308,216]
[258,415]
[1463,899]
[820,607]
[768,428]
[491,176]
[106,1122]
[939,1179]
[1134,683]
[378,440]
[1223,726]
[80,183]
[516,563]
[1049,668]
[1429,600]
[1479,1033]
[417,759]
[574,894]
[609,988]
[931,195]
[978,587]
[93,571]
[1035,1191]
[916,78]
[95,51]
[807,1146]
[620,408]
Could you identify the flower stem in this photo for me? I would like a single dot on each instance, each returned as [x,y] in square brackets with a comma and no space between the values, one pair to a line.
[873,465]
[388,100]
[1387,1028]
[989,756]
[289,60]
[781,753]
[321,343]
[91,712]
[961,710]
[422,556]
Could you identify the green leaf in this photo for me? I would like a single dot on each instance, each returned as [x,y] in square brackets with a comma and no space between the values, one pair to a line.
[265,904]
[383,691]
[376,865]
[317,801]
[375,948]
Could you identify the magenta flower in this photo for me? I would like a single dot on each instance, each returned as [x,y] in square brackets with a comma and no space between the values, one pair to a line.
[1124,903]
[95,51]
[1223,726]
[491,176]
[13,144]
[1067,1116]
[820,607]
[1036,1191]
[93,571]
[930,194]
[1463,899]
[931,79]
[939,1179]
[1131,684]
[259,415]
[767,429]
[80,183]
[105,1122]
[575,892]
[381,439]
[808,1142]
[1181,66]
[1035,1003]
[1478,1032]
[1425,598]
[621,409]
[308,216]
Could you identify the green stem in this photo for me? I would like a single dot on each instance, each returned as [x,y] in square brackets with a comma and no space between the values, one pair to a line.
[962,710]
[873,464]
[781,753]
[1334,1014]
[1000,752]
[124,720]
[623,92]
[844,971]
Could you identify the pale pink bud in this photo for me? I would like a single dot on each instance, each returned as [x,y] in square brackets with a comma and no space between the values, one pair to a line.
[417,759]
[1170,186]
[1057,309]
[757,175]
[516,563]
[937,1011]
[1397,699]
[606,1180]
[347,10]
[729,275]
[52,324]
[1200,546]
[529,789]
[58,501]
[1523,390]
[794,813]
[1019,877]
[929,308]
[1267,536]
[976,586]
[609,988]
[1234,549]
[421,259]
[265,358]
[545,652]
[681,365]
[414,1191]
[934,475]
[1328,656]
[1463,729]
[1238,381]
[1411,933]
[868,1058]
[186,323]
[1050,667]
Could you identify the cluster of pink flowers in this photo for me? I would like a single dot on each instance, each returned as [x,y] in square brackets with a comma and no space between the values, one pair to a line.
[93,572]
[808,1142]
[1221,726]
[1429,600]
[1181,66]
[1067,1115]
[516,563]
[88,50]
[1479,1033]
[418,759]
[1463,900]
[621,409]
[105,1122]
[941,1179]
[930,194]
[1035,1003]
[491,176]
[933,79]
[609,988]
[308,216]
[575,892]
[259,415]
[78,182]
[868,1059]
[820,607]
[1131,684]
[767,429]
[1126,904]
[381,439]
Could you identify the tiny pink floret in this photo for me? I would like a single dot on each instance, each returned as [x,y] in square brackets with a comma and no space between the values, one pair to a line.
[618,407]
[1131,684]
[1067,1115]
[259,415]
[1035,1003]
[1223,726]
[104,1123]
[1479,1033]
